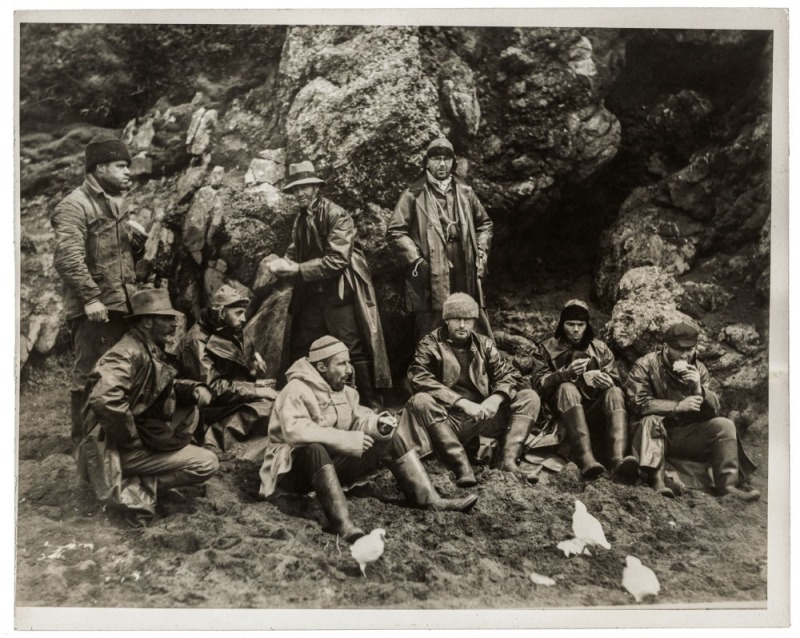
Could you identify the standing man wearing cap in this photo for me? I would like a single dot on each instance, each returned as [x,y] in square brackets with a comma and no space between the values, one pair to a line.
[147,417]
[94,255]
[216,352]
[678,418]
[463,387]
[577,377]
[320,438]
[443,235]
[333,291]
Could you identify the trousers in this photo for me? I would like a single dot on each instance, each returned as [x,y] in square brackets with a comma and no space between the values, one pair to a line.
[188,466]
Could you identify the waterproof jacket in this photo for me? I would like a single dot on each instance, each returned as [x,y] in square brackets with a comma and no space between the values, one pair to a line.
[415,230]
[552,358]
[134,396]
[328,230]
[93,255]
[435,368]
[652,387]
[223,364]
[308,410]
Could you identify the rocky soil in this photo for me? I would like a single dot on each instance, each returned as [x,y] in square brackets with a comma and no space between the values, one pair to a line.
[626,167]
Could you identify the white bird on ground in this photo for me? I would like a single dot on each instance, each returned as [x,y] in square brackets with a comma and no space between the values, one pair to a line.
[587,528]
[573,546]
[369,548]
[639,580]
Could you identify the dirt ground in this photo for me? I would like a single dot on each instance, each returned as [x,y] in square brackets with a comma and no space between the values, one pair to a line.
[223,547]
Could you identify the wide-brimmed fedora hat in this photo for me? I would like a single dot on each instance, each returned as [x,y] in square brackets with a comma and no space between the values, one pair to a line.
[153,301]
[302,173]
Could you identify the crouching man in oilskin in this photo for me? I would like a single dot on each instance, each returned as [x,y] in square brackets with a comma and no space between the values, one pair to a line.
[216,352]
[678,418]
[321,439]
[464,388]
[147,417]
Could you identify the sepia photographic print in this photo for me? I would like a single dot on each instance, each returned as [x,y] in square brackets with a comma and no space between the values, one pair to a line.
[402,319]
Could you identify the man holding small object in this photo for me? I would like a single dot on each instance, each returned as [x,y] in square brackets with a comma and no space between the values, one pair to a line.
[96,245]
[576,375]
[321,439]
[678,417]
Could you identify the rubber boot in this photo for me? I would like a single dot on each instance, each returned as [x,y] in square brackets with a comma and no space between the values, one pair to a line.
[655,479]
[518,428]
[366,390]
[452,453]
[76,406]
[578,435]
[725,464]
[622,467]
[416,485]
[333,502]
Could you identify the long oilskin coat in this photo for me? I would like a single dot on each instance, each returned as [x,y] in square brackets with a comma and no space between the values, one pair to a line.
[653,388]
[307,411]
[227,368]
[345,262]
[414,230]
[94,255]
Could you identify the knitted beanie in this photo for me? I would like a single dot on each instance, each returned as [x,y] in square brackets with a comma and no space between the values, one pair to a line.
[575,310]
[440,146]
[324,348]
[460,305]
[104,148]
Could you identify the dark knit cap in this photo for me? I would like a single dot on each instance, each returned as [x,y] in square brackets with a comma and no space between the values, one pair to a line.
[575,310]
[440,146]
[104,148]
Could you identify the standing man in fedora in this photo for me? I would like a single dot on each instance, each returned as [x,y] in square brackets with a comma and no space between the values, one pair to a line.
[333,293]
[96,245]
[145,414]
[442,232]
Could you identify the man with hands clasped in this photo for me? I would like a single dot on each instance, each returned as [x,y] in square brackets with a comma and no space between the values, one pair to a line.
[464,388]
[678,416]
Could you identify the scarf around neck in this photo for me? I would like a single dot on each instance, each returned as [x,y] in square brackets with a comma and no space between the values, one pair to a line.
[440,185]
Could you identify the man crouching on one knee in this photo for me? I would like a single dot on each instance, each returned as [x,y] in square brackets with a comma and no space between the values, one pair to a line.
[320,438]
[678,416]
[463,387]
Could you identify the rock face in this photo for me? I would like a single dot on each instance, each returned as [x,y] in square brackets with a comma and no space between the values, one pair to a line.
[540,132]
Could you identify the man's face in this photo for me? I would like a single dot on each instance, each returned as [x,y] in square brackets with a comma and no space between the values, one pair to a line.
[460,329]
[114,176]
[440,166]
[680,354]
[234,317]
[336,370]
[162,328]
[574,331]
[304,194]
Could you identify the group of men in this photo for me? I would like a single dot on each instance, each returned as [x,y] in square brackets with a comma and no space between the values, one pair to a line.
[165,420]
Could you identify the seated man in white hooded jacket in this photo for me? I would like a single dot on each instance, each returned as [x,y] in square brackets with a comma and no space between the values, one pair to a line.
[320,438]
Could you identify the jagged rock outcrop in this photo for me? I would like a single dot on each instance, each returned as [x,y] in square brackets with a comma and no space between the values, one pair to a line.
[527,110]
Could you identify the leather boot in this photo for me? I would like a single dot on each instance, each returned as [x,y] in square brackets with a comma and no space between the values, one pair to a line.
[518,428]
[622,466]
[452,453]
[76,406]
[333,502]
[655,479]
[416,485]
[362,371]
[578,435]
[725,465]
